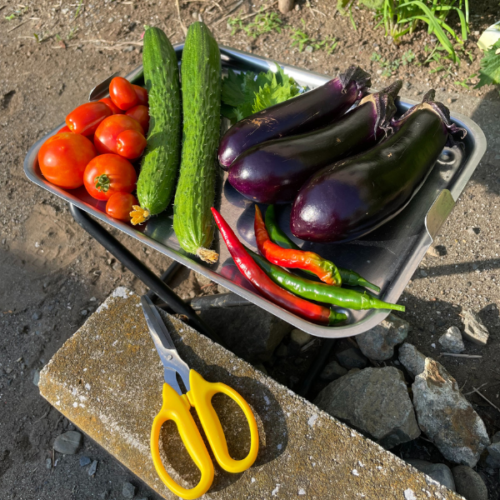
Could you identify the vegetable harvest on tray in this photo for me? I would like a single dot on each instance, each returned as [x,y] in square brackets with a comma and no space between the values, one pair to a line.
[339,155]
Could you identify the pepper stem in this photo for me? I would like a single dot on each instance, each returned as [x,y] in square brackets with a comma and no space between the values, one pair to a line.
[139,215]
[336,317]
[367,284]
[102,183]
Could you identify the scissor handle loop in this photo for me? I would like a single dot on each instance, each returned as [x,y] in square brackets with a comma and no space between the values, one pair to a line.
[200,397]
[176,408]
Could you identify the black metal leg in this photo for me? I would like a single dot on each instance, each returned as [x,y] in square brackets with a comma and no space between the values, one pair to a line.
[113,246]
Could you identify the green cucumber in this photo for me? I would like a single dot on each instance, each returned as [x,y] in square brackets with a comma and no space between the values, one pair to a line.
[160,164]
[201,87]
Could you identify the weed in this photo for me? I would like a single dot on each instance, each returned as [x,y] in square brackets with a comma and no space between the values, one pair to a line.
[301,39]
[17,13]
[401,17]
[388,67]
[73,31]
[408,57]
[262,23]
[78,9]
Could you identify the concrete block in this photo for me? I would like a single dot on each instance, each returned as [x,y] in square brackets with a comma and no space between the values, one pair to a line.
[107,380]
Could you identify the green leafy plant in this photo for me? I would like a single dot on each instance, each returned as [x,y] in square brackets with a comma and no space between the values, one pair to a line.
[489,74]
[262,23]
[246,93]
[408,57]
[388,67]
[400,17]
[16,14]
[302,40]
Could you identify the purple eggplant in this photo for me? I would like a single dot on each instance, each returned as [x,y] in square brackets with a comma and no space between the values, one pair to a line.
[274,171]
[306,112]
[353,197]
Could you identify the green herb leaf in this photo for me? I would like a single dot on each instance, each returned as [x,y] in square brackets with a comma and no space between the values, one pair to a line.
[489,74]
[246,93]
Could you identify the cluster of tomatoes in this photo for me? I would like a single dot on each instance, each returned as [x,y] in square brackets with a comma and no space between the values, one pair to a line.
[97,146]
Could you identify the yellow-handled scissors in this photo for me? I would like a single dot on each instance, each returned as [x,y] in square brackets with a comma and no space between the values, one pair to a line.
[176,407]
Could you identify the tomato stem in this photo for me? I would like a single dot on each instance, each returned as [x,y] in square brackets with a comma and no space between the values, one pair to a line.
[102,183]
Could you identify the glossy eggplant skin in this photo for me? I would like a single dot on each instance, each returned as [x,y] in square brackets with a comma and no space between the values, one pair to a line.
[354,197]
[308,111]
[273,172]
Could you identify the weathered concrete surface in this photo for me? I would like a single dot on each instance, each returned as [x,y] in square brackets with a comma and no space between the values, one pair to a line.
[107,379]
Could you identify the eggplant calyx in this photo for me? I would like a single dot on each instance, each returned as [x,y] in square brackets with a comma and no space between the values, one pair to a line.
[360,77]
[436,107]
[385,108]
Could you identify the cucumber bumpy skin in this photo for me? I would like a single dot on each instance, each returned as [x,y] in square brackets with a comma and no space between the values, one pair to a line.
[160,164]
[195,194]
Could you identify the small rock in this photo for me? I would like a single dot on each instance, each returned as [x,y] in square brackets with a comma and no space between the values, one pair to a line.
[297,7]
[309,49]
[475,331]
[351,358]
[36,377]
[446,417]
[469,483]
[84,461]
[423,273]
[452,341]
[93,468]
[493,457]
[439,472]
[110,20]
[378,343]
[36,316]
[384,412]
[412,359]
[282,351]
[299,337]
[84,312]
[437,251]
[68,443]
[48,463]
[104,495]
[332,371]
[128,490]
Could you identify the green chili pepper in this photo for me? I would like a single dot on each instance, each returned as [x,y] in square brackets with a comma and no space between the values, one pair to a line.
[349,277]
[320,292]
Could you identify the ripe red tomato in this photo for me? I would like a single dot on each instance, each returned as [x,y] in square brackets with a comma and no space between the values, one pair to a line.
[119,206]
[122,93]
[85,118]
[141,114]
[64,129]
[142,94]
[106,135]
[63,158]
[108,174]
[130,144]
[111,105]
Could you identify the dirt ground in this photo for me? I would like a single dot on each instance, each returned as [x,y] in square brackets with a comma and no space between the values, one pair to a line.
[53,275]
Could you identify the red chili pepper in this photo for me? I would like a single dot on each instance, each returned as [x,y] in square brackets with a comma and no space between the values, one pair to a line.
[325,270]
[269,289]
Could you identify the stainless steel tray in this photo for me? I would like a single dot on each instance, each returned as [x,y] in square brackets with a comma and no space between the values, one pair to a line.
[388,257]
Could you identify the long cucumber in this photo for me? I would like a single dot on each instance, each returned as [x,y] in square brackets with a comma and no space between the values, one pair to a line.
[201,87]
[160,164]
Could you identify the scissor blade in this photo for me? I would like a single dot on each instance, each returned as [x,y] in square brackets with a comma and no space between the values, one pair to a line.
[165,346]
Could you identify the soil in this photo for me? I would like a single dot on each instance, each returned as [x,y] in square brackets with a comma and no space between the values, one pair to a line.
[53,275]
